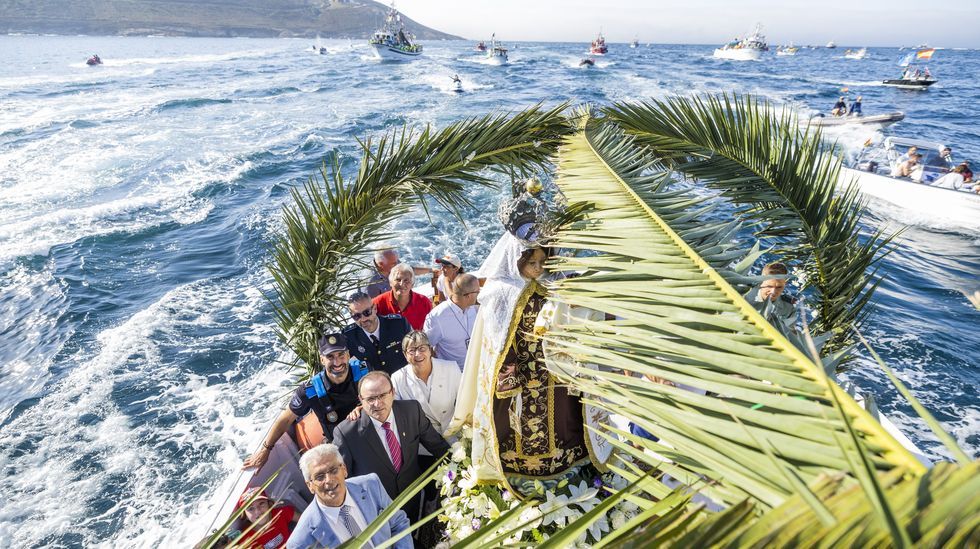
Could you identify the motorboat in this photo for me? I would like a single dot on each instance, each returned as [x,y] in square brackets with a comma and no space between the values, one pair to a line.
[457,84]
[587,62]
[787,50]
[856,54]
[391,43]
[874,119]
[635,43]
[93,61]
[912,80]
[598,46]
[747,48]
[831,45]
[871,172]
[323,50]
[481,46]
[496,53]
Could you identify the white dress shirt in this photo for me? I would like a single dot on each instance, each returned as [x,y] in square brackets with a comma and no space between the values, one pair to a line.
[333,517]
[448,328]
[437,395]
[379,427]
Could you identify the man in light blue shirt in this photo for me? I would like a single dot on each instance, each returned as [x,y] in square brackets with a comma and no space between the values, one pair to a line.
[449,325]
[342,508]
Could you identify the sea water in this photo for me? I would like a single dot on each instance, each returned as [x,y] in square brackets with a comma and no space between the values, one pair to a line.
[139,199]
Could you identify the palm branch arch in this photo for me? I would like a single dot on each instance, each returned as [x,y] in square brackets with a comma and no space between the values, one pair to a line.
[773,438]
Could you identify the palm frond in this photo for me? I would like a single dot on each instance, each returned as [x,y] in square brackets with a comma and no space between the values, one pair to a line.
[678,319]
[783,178]
[334,221]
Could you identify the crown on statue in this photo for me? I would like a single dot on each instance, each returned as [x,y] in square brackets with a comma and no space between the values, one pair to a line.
[526,215]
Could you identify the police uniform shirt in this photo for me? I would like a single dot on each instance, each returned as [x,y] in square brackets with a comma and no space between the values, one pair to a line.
[782,312]
[333,408]
[387,355]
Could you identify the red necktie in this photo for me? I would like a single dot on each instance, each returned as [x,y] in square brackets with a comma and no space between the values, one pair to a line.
[394,448]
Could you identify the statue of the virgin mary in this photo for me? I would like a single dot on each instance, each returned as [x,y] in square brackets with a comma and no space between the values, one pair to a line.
[526,423]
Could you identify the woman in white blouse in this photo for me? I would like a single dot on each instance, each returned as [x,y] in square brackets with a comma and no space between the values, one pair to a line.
[432,382]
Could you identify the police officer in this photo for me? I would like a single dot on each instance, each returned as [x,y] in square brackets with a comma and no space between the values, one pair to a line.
[377,340]
[331,394]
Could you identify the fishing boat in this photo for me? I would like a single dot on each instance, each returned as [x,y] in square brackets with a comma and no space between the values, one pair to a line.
[391,43]
[496,53]
[787,50]
[598,46]
[856,54]
[747,48]
[871,172]
[871,119]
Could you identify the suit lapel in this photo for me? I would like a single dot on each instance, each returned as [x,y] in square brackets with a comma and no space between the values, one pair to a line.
[370,434]
[322,532]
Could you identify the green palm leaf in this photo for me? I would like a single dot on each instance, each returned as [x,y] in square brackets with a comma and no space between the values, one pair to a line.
[678,319]
[334,221]
[782,178]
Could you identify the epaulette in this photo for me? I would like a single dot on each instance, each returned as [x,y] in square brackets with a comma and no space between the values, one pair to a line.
[348,328]
[390,317]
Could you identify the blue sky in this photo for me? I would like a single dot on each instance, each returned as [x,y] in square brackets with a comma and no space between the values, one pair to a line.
[941,23]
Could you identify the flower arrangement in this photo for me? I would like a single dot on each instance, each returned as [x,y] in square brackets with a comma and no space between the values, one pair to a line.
[557,502]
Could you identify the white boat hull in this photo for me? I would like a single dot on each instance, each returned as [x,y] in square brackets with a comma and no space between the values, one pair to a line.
[742,54]
[497,59]
[781,52]
[874,119]
[947,207]
[386,53]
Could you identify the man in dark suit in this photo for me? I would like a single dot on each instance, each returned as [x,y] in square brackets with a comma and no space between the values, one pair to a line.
[385,438]
[374,339]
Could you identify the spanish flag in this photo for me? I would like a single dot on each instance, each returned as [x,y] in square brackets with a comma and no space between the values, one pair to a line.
[925,54]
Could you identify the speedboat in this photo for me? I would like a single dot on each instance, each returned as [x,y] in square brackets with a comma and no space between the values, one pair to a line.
[497,53]
[856,54]
[587,62]
[871,172]
[747,48]
[831,45]
[598,46]
[635,43]
[391,43]
[93,61]
[912,80]
[878,119]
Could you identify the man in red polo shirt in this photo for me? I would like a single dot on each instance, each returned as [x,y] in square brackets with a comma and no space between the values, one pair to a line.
[401,300]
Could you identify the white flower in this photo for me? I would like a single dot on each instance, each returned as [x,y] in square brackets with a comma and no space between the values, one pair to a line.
[556,509]
[466,481]
[528,515]
[618,519]
[583,496]
[459,453]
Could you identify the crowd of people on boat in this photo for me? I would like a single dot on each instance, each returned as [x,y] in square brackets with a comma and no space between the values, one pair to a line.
[392,387]
[956,176]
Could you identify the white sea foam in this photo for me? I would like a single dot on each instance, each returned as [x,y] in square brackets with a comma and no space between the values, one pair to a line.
[83,441]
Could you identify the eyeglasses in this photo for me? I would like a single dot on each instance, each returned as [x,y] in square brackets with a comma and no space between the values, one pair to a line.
[363,314]
[376,398]
[419,349]
[332,472]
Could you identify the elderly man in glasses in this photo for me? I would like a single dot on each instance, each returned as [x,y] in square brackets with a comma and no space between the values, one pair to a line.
[385,439]
[375,339]
[342,507]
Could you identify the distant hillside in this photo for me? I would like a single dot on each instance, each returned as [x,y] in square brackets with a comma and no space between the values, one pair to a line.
[257,18]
